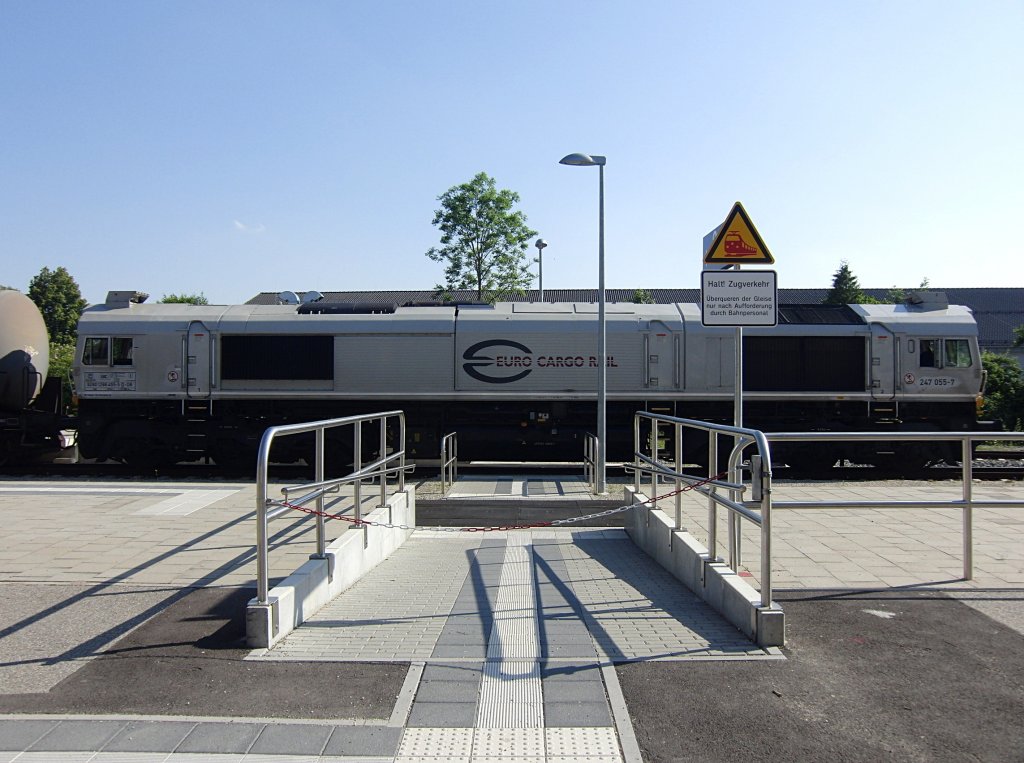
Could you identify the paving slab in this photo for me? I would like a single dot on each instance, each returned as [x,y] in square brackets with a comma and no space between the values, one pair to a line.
[161,571]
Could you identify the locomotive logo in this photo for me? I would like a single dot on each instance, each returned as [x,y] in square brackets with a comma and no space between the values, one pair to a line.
[512,361]
[475,363]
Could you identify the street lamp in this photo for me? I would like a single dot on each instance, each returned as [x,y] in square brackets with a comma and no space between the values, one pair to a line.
[588,160]
[541,243]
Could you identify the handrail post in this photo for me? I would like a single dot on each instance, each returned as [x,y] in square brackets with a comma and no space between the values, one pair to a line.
[636,441]
[357,463]
[655,455]
[321,535]
[401,444]
[766,521]
[967,476]
[678,434]
[383,454]
[712,506]
[262,549]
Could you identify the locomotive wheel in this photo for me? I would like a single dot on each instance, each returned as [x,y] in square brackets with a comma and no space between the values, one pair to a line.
[145,454]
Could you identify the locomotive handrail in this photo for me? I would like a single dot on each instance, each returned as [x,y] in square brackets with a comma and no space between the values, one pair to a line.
[381,469]
[758,510]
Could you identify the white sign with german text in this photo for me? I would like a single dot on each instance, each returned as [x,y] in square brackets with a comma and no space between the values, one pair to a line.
[739,298]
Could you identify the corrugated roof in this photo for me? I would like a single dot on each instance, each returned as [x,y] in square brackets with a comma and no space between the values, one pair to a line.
[997,310]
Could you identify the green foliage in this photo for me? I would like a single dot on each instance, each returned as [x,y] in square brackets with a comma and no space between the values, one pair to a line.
[897,296]
[185,299]
[62,357]
[1004,390]
[642,297]
[845,287]
[59,299]
[483,241]
[1018,336]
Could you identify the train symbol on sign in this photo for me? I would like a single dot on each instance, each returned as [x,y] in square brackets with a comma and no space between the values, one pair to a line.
[735,246]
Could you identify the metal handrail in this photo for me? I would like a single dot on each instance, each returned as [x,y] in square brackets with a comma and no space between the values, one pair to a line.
[967,502]
[590,461]
[388,464]
[758,510]
[449,461]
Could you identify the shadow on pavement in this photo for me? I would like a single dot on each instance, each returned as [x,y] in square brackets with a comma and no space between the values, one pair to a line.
[189,660]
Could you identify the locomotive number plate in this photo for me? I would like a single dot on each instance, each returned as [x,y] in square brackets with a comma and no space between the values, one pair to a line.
[936,381]
[110,381]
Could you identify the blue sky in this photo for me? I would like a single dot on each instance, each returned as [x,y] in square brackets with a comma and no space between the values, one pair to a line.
[239,147]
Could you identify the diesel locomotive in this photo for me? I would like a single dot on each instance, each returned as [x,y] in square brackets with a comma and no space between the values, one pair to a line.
[162,383]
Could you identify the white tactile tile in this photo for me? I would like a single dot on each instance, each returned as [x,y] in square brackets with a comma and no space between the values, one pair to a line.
[585,743]
[436,743]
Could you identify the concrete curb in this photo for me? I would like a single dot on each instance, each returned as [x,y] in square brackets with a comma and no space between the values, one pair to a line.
[690,562]
[299,596]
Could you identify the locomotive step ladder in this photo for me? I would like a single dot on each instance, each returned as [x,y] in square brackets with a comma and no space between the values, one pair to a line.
[197,415]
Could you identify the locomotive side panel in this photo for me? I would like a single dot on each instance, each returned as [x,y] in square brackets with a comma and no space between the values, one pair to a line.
[386,365]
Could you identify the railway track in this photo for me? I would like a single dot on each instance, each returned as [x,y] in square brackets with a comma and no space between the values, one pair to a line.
[991,467]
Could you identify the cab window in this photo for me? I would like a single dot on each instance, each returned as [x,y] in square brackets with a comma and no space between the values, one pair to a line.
[96,351]
[929,353]
[958,353]
[121,351]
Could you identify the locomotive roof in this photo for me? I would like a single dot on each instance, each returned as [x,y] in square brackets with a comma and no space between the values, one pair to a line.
[327,317]
[997,310]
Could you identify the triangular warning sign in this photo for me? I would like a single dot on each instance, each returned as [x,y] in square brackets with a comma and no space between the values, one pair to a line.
[738,241]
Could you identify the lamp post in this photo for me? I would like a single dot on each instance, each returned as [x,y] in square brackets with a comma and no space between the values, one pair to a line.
[589,160]
[541,243]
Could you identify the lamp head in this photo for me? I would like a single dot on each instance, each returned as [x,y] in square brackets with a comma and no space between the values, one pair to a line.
[541,243]
[582,160]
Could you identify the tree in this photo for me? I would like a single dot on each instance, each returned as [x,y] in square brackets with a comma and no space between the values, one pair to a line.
[185,299]
[897,295]
[642,297]
[846,289]
[1004,390]
[484,242]
[59,299]
[1018,336]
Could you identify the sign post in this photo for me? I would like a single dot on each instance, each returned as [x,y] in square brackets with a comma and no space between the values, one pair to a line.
[731,299]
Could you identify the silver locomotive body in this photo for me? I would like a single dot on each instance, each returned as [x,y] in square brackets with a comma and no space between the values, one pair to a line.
[163,383]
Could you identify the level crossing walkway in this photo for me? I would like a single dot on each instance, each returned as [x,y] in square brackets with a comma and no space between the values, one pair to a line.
[83,562]
[512,636]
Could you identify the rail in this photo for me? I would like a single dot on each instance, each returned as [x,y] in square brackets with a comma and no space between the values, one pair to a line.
[384,466]
[647,460]
[967,503]
[590,461]
[449,461]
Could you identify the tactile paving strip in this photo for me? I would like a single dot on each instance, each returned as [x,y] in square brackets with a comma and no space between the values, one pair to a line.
[561,745]
[510,693]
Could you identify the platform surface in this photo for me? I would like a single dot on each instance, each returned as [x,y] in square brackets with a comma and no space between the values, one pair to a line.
[119,637]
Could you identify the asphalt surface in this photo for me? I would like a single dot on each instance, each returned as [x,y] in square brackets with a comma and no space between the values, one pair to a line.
[188,660]
[893,675]
[900,675]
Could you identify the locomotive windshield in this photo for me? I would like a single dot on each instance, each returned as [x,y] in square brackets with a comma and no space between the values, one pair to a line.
[948,353]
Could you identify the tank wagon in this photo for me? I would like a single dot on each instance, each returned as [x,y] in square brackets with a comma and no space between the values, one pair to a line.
[167,382]
[30,418]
